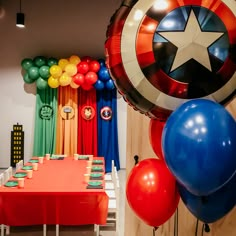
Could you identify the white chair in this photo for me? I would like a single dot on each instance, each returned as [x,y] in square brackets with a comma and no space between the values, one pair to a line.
[19,165]
[6,176]
[112,189]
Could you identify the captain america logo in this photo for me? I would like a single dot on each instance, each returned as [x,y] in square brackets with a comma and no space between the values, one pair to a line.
[173,51]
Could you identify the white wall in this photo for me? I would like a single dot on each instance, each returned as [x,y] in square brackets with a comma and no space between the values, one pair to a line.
[55,28]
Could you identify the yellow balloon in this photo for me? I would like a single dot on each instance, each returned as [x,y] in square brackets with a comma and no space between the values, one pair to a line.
[74,59]
[62,63]
[74,85]
[71,69]
[65,79]
[55,71]
[53,82]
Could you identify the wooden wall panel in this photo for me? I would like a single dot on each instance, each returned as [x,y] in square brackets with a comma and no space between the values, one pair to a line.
[138,144]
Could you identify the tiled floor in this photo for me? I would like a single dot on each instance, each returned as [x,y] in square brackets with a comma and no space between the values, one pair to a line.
[79,231]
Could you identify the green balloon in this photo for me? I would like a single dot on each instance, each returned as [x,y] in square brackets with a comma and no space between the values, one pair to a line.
[41,83]
[44,72]
[27,63]
[52,61]
[33,72]
[27,79]
[40,61]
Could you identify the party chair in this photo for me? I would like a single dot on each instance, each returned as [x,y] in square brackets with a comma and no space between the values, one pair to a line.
[112,189]
[19,165]
[6,176]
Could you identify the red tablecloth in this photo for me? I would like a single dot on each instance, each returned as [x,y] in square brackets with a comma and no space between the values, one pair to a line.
[56,194]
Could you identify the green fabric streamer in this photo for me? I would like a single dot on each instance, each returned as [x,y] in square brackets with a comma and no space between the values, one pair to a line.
[45,122]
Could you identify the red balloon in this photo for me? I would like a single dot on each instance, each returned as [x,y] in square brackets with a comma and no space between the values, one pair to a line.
[152,192]
[78,79]
[90,78]
[83,67]
[87,59]
[86,86]
[155,135]
[94,66]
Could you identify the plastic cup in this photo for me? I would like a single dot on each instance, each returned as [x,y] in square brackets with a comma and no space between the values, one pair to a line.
[35,166]
[86,178]
[41,160]
[47,156]
[89,163]
[29,174]
[21,182]
[76,157]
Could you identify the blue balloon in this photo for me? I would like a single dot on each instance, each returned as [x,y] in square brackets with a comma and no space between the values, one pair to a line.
[102,62]
[99,85]
[212,207]
[110,84]
[199,145]
[103,74]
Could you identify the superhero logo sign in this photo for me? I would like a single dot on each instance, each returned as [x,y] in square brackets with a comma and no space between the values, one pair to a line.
[172,51]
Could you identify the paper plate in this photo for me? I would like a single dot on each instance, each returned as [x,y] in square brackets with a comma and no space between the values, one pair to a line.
[11,183]
[95,175]
[20,175]
[96,168]
[34,160]
[83,157]
[94,183]
[27,168]
[97,161]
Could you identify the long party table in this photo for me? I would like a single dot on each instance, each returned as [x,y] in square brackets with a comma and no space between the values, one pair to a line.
[57,194]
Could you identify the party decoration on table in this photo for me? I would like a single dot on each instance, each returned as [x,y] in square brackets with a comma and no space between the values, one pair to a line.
[20,174]
[85,72]
[11,183]
[151,191]
[212,207]
[87,112]
[155,133]
[157,66]
[46,112]
[106,113]
[199,145]
[67,112]
[17,144]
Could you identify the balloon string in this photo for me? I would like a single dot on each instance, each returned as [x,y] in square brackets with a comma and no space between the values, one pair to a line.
[202,229]
[196,228]
[176,223]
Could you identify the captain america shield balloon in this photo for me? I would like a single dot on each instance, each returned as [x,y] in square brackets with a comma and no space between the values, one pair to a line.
[161,53]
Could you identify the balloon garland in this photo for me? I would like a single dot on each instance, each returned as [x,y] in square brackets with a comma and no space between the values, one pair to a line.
[50,72]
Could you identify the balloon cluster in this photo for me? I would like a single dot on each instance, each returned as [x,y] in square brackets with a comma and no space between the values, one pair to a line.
[199,146]
[85,72]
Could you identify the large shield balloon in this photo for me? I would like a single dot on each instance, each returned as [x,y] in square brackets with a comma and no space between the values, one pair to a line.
[199,144]
[162,53]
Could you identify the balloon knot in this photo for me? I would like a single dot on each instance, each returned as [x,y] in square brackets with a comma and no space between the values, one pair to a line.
[156,228]
[206,228]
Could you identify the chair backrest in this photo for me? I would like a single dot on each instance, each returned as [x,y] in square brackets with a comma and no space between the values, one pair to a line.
[19,164]
[1,179]
[7,174]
